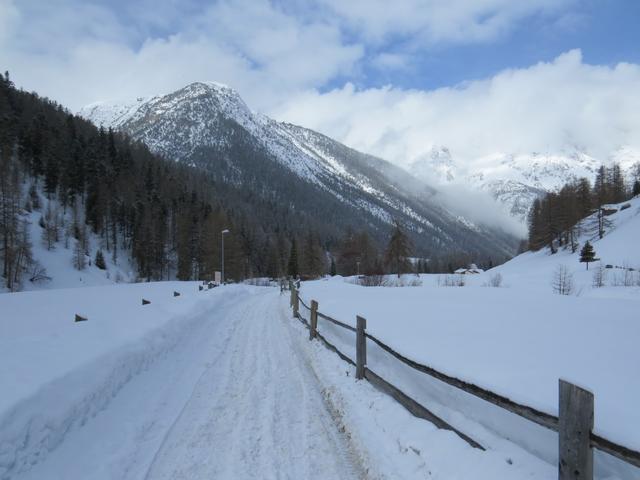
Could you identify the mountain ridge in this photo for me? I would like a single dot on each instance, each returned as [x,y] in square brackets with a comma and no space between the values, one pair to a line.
[208,125]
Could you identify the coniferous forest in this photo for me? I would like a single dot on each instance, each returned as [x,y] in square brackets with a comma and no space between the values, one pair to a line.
[164,217]
[555,219]
[158,212]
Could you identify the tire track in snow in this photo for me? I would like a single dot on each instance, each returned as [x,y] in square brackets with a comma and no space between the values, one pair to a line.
[257,412]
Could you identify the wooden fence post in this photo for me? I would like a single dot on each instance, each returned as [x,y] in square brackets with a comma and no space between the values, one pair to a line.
[574,433]
[296,303]
[292,293]
[361,347]
[313,320]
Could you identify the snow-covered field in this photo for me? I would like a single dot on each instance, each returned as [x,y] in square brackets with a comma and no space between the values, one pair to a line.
[212,384]
[516,340]
[224,383]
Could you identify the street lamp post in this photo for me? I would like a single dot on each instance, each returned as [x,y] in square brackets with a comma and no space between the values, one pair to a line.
[222,234]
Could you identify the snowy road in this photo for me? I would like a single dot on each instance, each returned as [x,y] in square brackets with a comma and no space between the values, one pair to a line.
[257,412]
[234,399]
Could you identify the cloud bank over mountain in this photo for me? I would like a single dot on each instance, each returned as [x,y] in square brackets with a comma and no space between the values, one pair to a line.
[549,107]
[400,83]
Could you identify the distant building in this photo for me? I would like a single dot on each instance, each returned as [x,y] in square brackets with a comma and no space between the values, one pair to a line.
[471,269]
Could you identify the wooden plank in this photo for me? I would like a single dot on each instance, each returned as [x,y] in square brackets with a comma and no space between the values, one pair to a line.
[334,349]
[623,453]
[361,347]
[313,320]
[336,322]
[574,435]
[414,407]
[292,290]
[301,302]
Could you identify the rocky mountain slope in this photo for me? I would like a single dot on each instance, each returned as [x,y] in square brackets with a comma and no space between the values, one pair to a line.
[283,172]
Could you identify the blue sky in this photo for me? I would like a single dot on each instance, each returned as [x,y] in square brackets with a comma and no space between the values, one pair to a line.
[396,79]
[606,31]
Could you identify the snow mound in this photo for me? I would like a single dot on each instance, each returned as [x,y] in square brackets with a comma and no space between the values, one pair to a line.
[57,374]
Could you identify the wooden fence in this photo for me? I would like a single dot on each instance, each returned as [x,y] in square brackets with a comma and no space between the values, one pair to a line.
[574,424]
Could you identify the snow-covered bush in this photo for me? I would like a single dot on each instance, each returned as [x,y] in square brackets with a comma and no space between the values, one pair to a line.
[562,282]
[259,282]
[38,273]
[385,281]
[451,281]
[599,276]
[625,276]
[494,281]
[371,280]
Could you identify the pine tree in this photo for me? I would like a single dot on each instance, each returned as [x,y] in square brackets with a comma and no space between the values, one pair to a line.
[348,253]
[636,188]
[587,254]
[100,263]
[79,260]
[584,200]
[273,262]
[600,187]
[536,237]
[617,187]
[50,231]
[398,251]
[333,272]
[292,266]
[312,257]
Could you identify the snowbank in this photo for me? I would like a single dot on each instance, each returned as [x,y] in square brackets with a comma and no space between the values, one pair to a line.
[55,374]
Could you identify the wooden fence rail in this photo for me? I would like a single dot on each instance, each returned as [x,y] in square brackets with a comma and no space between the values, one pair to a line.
[531,414]
[574,424]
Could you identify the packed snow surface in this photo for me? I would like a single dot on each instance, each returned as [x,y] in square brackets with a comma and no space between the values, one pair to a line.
[212,384]
[203,385]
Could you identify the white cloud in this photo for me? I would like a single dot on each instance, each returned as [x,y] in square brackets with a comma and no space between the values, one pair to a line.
[77,53]
[438,21]
[546,107]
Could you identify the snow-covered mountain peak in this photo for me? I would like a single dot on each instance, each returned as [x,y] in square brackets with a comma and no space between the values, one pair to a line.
[436,163]
[517,178]
[208,125]
[227,98]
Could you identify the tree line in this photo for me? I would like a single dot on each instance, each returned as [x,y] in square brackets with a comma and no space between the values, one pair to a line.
[555,219]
